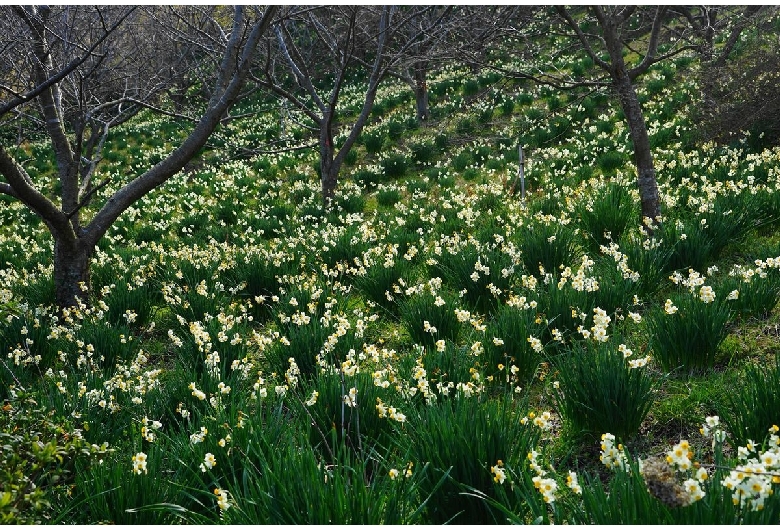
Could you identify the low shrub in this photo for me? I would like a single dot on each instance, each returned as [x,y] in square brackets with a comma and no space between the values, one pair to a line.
[753,405]
[685,334]
[600,391]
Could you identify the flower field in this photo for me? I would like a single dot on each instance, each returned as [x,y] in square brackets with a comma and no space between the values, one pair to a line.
[430,349]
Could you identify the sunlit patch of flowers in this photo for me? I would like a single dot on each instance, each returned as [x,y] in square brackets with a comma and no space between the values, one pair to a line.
[222,498]
[545,484]
[753,480]
[612,456]
[139,463]
[499,473]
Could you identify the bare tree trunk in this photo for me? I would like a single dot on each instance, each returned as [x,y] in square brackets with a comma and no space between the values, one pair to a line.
[623,84]
[643,157]
[329,169]
[71,272]
[421,92]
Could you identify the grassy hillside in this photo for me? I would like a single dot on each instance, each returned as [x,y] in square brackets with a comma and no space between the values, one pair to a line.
[429,350]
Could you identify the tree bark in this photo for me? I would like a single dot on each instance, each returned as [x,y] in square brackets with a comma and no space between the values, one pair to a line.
[329,167]
[71,272]
[643,156]
[421,92]
[622,82]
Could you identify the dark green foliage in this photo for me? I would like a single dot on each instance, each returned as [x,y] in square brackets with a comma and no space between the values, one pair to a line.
[471,174]
[507,107]
[548,245]
[395,129]
[441,141]
[464,437]
[128,297]
[421,308]
[368,179]
[649,259]
[752,406]
[611,212]
[481,154]
[616,290]
[388,196]
[600,393]
[462,160]
[353,426]
[350,490]
[378,281]
[465,127]
[610,161]
[114,495]
[261,281]
[732,217]
[485,116]
[471,87]
[689,244]
[459,270]
[423,152]
[349,202]
[513,325]
[687,341]
[394,166]
[351,158]
[373,143]
[413,186]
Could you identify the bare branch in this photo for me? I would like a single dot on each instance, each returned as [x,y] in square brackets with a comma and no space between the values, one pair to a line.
[87,197]
[21,187]
[62,73]
[582,37]
[6,189]
[649,59]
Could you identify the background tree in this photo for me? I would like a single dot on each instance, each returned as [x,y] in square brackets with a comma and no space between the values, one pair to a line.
[738,70]
[638,30]
[317,50]
[72,74]
[425,53]
[709,24]
[609,36]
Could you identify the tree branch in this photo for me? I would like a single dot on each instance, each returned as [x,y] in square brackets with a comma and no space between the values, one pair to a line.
[6,189]
[303,79]
[235,72]
[649,59]
[736,31]
[63,73]
[21,188]
[86,198]
[582,38]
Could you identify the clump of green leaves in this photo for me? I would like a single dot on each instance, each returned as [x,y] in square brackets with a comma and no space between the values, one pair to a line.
[37,457]
[463,437]
[600,391]
[753,405]
[686,332]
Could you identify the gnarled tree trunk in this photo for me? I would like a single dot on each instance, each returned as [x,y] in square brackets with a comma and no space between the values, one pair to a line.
[421,92]
[643,156]
[71,272]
